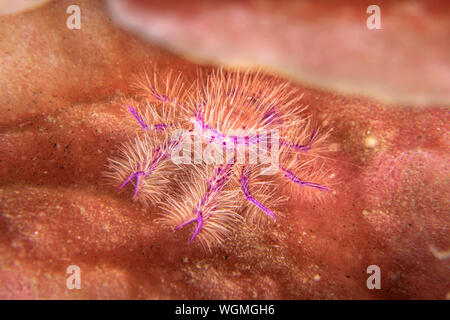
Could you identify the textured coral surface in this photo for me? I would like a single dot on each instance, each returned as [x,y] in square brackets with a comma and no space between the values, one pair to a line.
[62,117]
